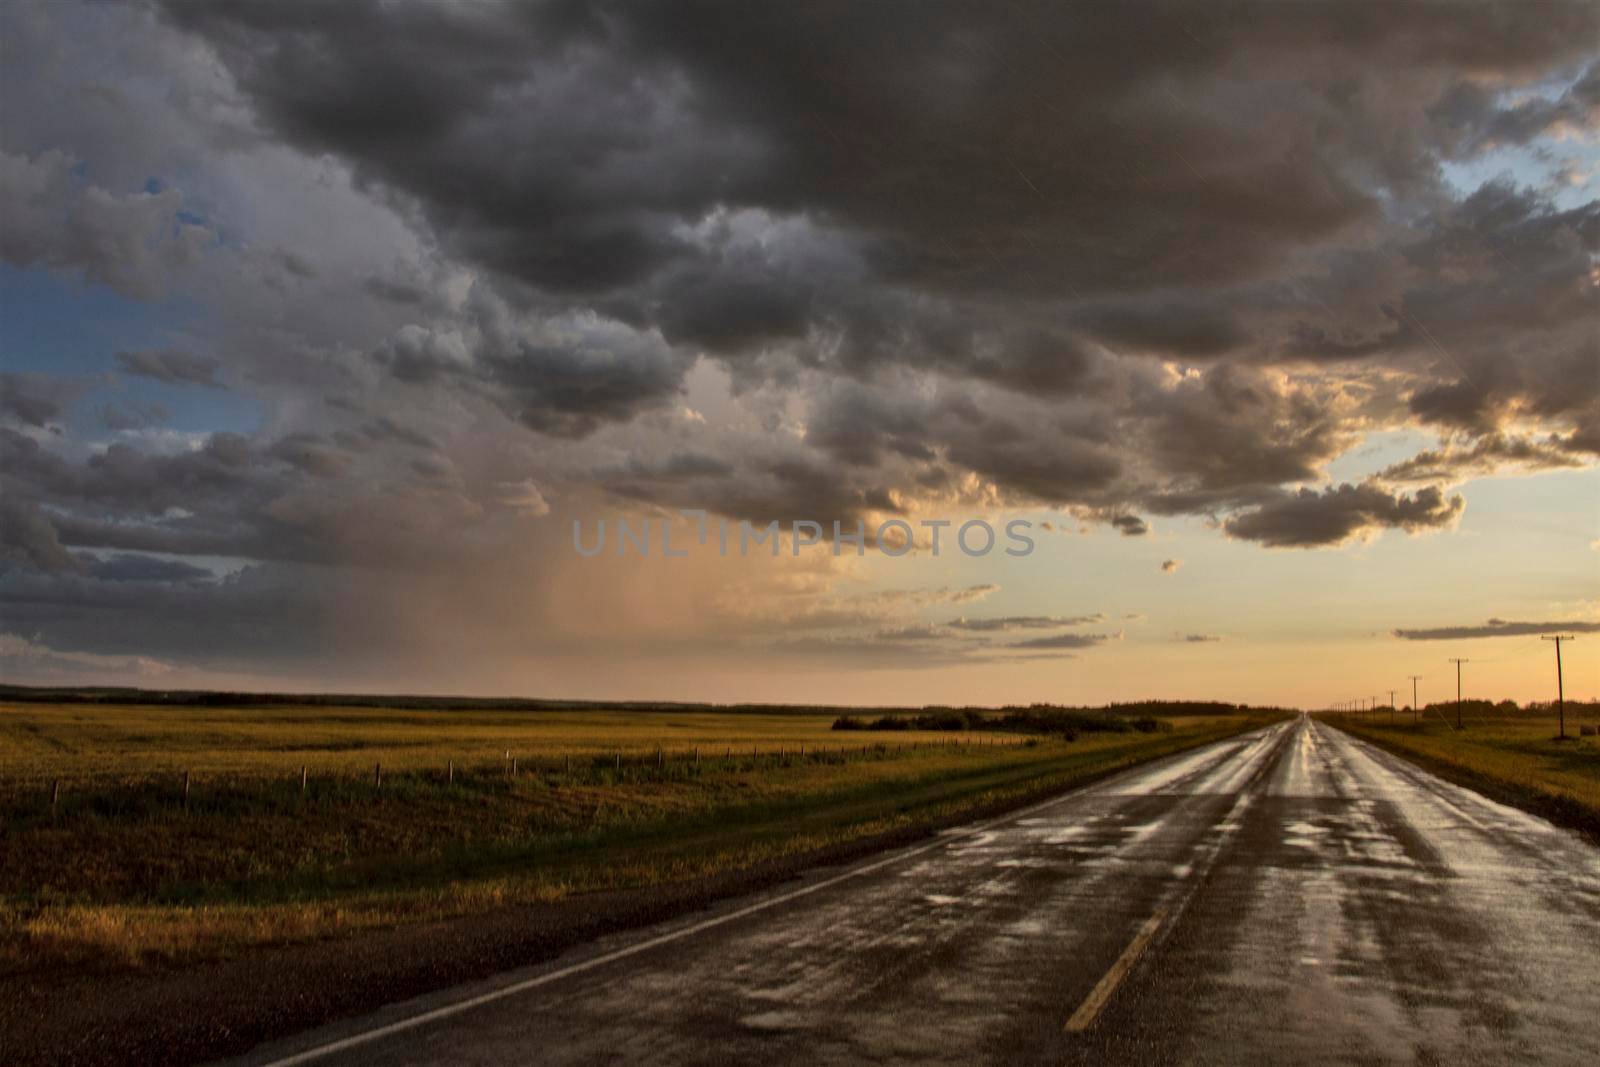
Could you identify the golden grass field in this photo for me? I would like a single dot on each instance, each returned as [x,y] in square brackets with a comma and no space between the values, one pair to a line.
[126,874]
[1515,758]
[100,742]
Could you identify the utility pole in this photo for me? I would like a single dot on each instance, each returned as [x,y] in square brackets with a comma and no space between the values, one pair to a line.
[1391,707]
[1458,663]
[1561,696]
[1414,678]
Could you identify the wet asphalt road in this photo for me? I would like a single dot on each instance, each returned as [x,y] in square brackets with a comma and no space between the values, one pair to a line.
[1293,895]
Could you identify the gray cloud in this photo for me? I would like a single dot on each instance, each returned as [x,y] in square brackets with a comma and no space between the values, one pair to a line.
[1166,262]
[131,567]
[1059,641]
[1023,622]
[1498,628]
[57,220]
[38,399]
[1130,525]
[172,366]
[1487,455]
[132,416]
[1310,518]
[28,538]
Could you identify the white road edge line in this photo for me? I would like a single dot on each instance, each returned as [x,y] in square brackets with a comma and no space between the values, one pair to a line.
[402,1025]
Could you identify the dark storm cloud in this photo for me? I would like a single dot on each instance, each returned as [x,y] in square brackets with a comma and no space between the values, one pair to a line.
[131,567]
[1034,153]
[1498,628]
[395,291]
[311,454]
[58,220]
[260,615]
[172,366]
[1503,298]
[1309,518]
[1023,198]
[678,466]
[28,538]
[214,500]
[1475,117]
[1158,259]
[1166,325]
[132,416]
[1029,452]
[293,499]
[384,428]
[564,376]
[781,489]
[1237,428]
[38,399]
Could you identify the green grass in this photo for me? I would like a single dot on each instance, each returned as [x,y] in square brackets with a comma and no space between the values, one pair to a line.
[125,874]
[1514,758]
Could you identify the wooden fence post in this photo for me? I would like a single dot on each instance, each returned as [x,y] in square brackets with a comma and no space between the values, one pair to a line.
[450,773]
[55,797]
[186,790]
[302,781]
[377,775]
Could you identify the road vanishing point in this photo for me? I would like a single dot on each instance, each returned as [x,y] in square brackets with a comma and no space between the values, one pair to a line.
[1292,895]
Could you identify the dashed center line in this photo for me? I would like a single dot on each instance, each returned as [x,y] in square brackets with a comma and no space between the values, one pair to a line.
[1089,1010]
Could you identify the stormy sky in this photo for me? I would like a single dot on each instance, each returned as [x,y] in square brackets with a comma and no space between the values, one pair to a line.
[323,322]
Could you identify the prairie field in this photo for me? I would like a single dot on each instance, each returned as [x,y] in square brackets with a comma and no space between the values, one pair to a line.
[1516,758]
[108,860]
[104,743]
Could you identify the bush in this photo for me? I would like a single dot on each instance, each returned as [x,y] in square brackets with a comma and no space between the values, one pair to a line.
[848,722]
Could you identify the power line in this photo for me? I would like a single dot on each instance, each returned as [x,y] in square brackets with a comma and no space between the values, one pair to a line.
[1413,678]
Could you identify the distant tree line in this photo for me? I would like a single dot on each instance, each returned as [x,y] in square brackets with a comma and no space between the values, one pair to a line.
[1047,719]
[220,698]
[1506,708]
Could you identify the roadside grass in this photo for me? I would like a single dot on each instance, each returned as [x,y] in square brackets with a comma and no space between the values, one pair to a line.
[126,875]
[1514,758]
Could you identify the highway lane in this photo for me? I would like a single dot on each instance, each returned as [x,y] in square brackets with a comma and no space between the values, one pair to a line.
[1293,894]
